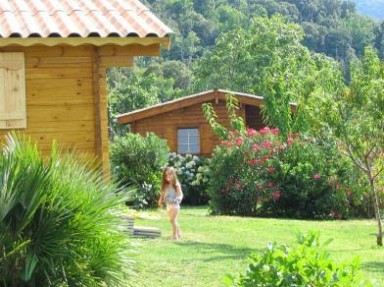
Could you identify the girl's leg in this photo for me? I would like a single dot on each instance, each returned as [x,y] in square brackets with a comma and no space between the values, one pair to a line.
[178,234]
[173,213]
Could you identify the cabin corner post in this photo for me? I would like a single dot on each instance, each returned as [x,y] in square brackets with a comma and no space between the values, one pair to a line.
[99,107]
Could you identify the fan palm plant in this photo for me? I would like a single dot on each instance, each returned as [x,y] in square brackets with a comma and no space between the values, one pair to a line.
[60,222]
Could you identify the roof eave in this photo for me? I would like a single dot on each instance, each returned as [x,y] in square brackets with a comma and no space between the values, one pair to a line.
[77,41]
[130,117]
[165,107]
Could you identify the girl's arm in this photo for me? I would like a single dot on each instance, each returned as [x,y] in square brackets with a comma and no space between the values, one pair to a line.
[179,192]
[161,201]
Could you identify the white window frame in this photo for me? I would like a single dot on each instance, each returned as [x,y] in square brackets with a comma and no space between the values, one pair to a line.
[188,143]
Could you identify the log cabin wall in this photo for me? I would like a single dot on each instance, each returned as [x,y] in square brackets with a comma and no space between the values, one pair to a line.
[165,125]
[66,97]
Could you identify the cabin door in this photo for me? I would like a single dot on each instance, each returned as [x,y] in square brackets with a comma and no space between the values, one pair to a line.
[253,118]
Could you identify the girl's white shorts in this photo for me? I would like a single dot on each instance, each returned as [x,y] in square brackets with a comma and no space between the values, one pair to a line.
[173,206]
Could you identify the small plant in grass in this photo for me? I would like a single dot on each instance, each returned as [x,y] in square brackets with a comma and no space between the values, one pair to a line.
[192,172]
[137,162]
[307,264]
[59,222]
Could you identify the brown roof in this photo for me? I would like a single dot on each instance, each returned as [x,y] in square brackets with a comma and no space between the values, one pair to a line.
[78,18]
[187,101]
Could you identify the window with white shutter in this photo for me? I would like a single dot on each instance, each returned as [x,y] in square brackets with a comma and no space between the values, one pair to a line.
[12,91]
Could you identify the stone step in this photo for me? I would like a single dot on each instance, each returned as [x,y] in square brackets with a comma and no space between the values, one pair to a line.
[141,231]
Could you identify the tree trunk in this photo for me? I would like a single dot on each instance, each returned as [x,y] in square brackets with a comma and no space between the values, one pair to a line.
[379,238]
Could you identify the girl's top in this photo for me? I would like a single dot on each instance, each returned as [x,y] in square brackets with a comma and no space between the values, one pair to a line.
[170,196]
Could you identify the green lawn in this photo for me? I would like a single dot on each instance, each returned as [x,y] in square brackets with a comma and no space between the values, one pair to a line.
[214,246]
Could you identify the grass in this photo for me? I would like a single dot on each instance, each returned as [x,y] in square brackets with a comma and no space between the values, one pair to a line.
[213,246]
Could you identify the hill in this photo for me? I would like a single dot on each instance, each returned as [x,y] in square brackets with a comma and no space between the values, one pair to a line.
[373,8]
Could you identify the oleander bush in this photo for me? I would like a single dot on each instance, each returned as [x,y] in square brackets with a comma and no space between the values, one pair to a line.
[260,173]
[192,172]
[306,264]
[60,223]
[137,162]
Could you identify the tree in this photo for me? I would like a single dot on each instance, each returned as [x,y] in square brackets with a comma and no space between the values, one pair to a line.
[361,30]
[177,71]
[379,39]
[356,117]
[268,60]
[129,90]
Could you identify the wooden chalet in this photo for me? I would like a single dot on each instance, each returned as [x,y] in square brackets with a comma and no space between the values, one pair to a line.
[53,60]
[181,122]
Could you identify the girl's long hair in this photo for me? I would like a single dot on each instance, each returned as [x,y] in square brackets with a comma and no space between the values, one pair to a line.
[174,181]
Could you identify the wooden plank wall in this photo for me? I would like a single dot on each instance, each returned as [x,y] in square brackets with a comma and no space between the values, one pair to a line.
[166,125]
[60,98]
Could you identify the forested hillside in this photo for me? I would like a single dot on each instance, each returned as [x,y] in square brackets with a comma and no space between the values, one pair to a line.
[215,41]
[331,26]
[373,8]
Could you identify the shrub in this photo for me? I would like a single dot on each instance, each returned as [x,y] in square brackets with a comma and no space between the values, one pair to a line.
[312,180]
[265,173]
[59,222]
[137,162]
[192,172]
[306,264]
[228,188]
[260,173]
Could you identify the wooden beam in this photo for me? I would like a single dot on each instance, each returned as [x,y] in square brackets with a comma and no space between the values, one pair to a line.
[116,61]
[131,50]
[97,102]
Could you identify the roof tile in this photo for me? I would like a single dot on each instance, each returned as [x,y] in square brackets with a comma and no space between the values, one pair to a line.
[84,18]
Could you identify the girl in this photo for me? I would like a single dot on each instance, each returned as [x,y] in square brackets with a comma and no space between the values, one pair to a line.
[171,195]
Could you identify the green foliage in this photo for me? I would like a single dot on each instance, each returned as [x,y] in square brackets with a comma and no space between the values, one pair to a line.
[323,21]
[192,172]
[307,264]
[379,40]
[313,181]
[361,30]
[132,89]
[231,186]
[236,123]
[137,162]
[259,173]
[271,62]
[263,173]
[59,222]
[355,116]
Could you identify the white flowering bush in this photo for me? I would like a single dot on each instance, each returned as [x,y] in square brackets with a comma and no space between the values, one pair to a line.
[192,172]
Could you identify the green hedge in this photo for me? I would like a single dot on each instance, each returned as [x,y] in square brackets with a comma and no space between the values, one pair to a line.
[137,162]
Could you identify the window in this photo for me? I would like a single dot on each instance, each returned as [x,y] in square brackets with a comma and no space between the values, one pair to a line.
[188,141]
[12,91]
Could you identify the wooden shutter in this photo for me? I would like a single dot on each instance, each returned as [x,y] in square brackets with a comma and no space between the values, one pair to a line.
[12,91]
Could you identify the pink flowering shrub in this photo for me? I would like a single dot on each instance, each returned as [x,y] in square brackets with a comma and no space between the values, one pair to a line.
[259,173]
